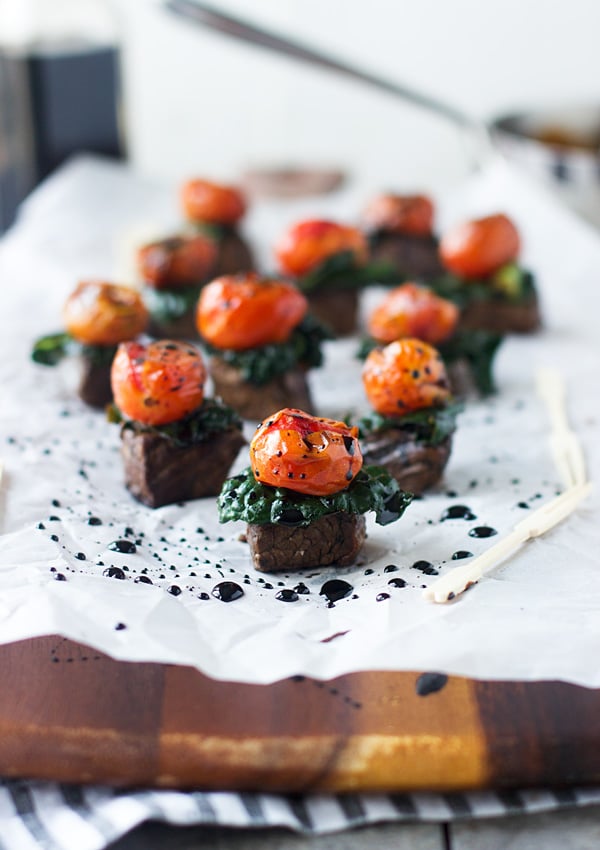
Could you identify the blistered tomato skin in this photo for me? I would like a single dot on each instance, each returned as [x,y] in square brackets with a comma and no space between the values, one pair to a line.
[98,313]
[157,383]
[246,311]
[307,244]
[213,203]
[308,454]
[180,261]
[408,214]
[404,376]
[476,249]
[413,311]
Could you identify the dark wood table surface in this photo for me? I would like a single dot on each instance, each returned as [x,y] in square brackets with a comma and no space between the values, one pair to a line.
[73,714]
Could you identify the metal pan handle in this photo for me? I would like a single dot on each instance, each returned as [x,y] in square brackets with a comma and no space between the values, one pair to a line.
[205,15]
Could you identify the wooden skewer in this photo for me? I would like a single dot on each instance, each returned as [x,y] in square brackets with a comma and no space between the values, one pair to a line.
[570,461]
[537,523]
[566,448]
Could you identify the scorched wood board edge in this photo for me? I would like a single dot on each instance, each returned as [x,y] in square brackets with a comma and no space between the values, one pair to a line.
[69,713]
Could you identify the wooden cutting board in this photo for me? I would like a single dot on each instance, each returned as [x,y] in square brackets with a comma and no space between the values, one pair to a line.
[72,714]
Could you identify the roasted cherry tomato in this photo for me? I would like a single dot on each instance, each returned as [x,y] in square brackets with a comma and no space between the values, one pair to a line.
[98,313]
[410,214]
[307,244]
[478,248]
[179,261]
[406,375]
[305,453]
[157,383]
[412,310]
[247,311]
[212,203]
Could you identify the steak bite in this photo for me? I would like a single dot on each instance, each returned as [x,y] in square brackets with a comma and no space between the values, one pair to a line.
[483,277]
[216,210]
[412,310]
[333,539]
[413,257]
[327,261]
[261,343]
[97,317]
[410,434]
[305,494]
[400,231]
[416,465]
[94,382]
[159,471]
[255,401]
[173,271]
[336,310]
[503,316]
[175,444]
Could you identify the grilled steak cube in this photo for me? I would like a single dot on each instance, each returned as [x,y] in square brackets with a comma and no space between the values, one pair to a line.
[415,257]
[502,317]
[94,383]
[257,402]
[335,538]
[415,465]
[234,255]
[337,309]
[159,472]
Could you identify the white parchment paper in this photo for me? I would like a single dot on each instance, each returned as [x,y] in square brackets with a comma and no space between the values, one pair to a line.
[537,617]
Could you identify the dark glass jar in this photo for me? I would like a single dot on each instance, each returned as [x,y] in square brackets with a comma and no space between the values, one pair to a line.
[60,90]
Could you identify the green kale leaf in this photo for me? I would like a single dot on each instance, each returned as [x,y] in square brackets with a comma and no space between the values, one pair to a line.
[340,271]
[50,350]
[373,489]
[431,425]
[258,366]
[212,417]
[509,283]
[479,349]
[168,305]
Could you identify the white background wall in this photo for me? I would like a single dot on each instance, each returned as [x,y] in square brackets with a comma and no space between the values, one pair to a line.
[200,103]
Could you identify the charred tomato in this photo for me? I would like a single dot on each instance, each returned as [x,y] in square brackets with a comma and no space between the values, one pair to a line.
[307,454]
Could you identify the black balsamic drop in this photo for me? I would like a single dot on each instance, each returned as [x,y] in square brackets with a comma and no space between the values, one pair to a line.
[60,577]
[460,554]
[301,588]
[203,596]
[391,568]
[227,591]
[80,556]
[125,547]
[114,572]
[381,596]
[335,589]
[287,595]
[143,580]
[94,520]
[523,505]
[457,512]
[430,683]
[425,567]
[120,626]
[397,582]
[174,590]
[482,531]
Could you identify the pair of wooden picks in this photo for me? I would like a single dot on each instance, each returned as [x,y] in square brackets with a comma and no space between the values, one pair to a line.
[569,460]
